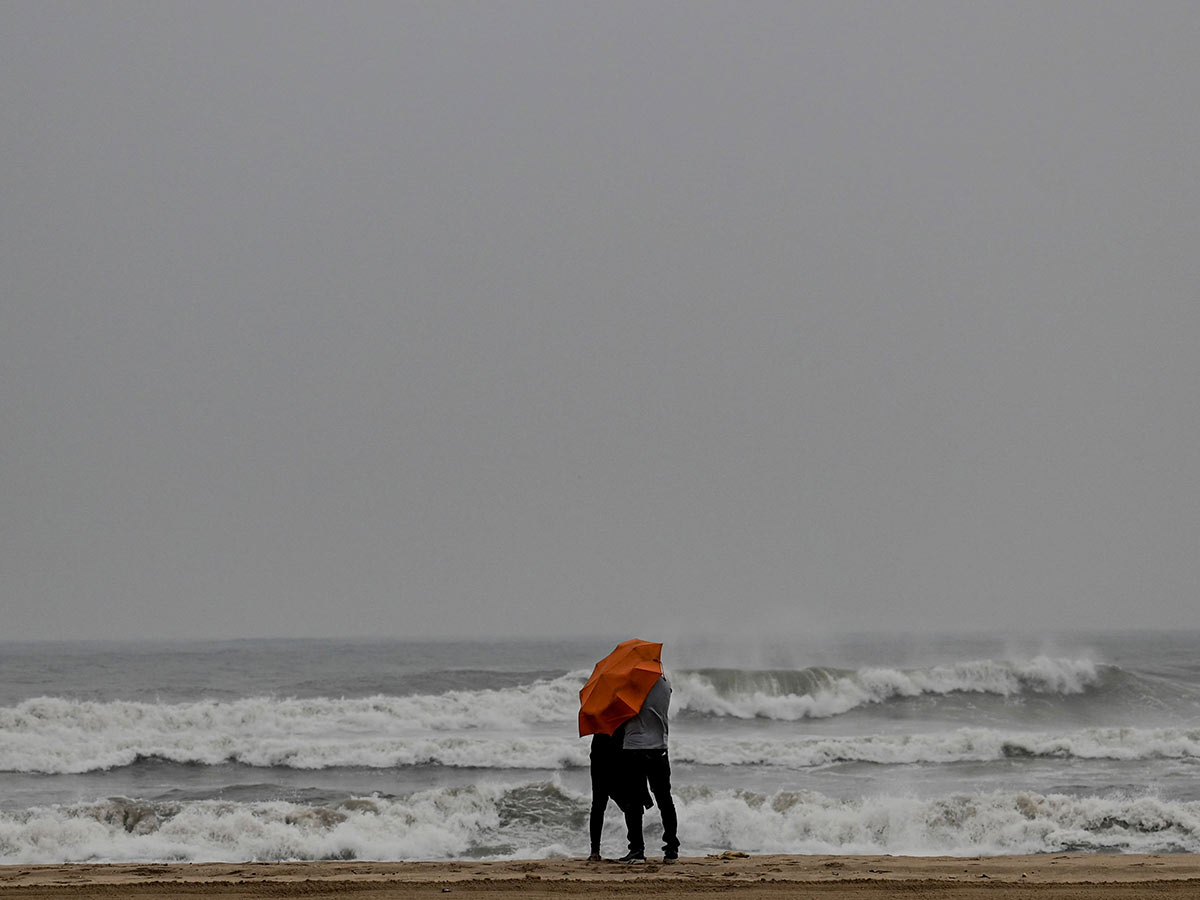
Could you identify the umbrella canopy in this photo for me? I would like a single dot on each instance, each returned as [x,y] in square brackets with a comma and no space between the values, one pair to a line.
[618,686]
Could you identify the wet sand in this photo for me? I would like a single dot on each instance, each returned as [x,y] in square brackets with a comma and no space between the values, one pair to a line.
[1047,877]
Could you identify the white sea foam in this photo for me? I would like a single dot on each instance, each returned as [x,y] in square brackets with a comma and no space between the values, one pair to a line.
[428,826]
[997,823]
[543,820]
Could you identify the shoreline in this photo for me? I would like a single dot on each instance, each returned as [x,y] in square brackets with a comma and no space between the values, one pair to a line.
[847,877]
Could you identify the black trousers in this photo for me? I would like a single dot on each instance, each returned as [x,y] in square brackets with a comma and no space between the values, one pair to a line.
[601,786]
[652,766]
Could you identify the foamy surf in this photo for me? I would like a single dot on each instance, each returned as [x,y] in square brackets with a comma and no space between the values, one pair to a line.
[541,820]
[61,750]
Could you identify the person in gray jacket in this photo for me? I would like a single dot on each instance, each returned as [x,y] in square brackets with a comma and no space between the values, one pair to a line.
[644,753]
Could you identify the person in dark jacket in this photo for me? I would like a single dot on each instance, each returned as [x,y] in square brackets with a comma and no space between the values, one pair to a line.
[610,781]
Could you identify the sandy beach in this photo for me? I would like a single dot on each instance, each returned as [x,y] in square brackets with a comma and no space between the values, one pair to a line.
[1079,877]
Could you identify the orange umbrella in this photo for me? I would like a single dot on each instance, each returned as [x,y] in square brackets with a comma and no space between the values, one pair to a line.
[618,686]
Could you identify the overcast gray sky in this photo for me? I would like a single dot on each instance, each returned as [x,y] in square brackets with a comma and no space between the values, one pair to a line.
[510,317]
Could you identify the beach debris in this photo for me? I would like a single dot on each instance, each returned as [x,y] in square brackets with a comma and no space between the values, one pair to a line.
[729,854]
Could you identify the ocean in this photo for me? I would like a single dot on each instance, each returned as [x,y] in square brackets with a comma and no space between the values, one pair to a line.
[386,750]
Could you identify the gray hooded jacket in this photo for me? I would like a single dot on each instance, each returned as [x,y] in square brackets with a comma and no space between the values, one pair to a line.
[648,729]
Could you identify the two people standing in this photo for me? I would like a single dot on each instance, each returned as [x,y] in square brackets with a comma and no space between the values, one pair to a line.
[630,765]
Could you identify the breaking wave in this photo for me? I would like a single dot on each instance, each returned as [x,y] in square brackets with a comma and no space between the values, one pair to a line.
[542,819]
[824,692]
[71,738]
[58,736]
[531,726]
[960,745]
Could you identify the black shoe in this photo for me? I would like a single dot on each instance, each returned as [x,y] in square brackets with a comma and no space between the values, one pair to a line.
[669,858]
[632,858]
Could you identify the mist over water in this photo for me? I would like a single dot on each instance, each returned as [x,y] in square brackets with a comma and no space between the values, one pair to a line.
[382,750]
